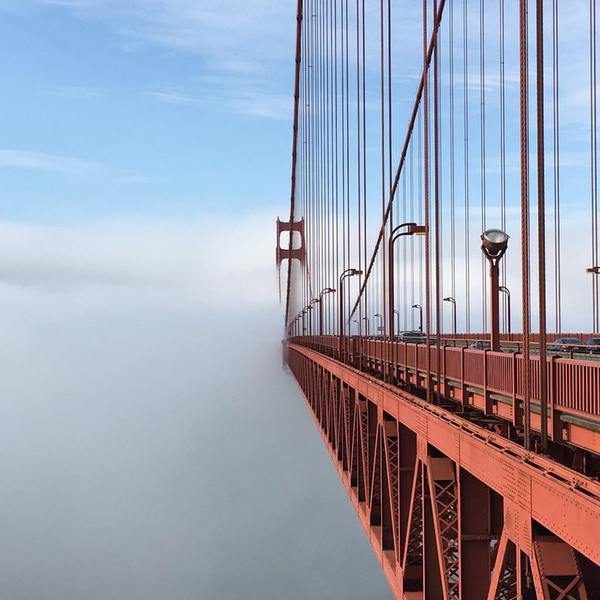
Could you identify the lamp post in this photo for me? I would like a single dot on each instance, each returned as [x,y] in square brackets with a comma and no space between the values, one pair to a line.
[493,245]
[506,291]
[380,326]
[308,309]
[420,309]
[324,291]
[303,313]
[366,320]
[397,313]
[312,305]
[347,273]
[453,302]
[399,231]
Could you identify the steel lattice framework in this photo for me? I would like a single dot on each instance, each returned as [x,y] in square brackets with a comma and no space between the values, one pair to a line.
[469,448]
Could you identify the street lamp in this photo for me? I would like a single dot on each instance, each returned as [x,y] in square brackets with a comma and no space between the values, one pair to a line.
[324,291]
[420,309]
[399,231]
[380,327]
[347,273]
[308,308]
[453,302]
[493,245]
[366,319]
[397,313]
[506,291]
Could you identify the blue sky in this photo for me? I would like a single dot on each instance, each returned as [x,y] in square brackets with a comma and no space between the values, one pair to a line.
[143,109]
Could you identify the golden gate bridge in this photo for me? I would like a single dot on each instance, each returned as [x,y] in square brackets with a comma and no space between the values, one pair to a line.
[442,285]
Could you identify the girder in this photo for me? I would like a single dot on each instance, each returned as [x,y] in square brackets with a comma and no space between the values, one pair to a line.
[452,510]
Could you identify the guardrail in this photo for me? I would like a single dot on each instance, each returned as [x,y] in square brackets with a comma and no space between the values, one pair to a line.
[573,385]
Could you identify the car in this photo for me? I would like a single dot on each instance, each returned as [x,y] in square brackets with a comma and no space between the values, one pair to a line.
[480,345]
[411,337]
[593,345]
[566,344]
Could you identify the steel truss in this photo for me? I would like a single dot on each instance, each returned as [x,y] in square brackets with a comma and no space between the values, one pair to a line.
[452,513]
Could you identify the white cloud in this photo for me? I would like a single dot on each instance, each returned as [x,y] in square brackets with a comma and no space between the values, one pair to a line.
[245,48]
[240,33]
[177,98]
[77,92]
[50,163]
[66,166]
[216,261]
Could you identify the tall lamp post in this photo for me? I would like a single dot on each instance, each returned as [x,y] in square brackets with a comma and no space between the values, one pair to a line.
[380,326]
[324,291]
[453,302]
[420,309]
[366,320]
[399,231]
[347,273]
[312,305]
[506,291]
[308,309]
[494,243]
[397,313]
[594,271]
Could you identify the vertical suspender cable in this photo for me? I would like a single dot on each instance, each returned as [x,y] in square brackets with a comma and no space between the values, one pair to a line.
[437,207]
[503,155]
[364,148]
[594,161]
[358,158]
[466,167]
[451,153]
[556,165]
[524,121]
[426,201]
[388,327]
[541,220]
[482,165]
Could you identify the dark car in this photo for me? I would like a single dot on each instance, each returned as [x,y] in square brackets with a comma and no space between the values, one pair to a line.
[480,345]
[411,337]
[593,345]
[566,344]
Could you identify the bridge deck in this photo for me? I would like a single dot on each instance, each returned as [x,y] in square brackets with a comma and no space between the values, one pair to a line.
[452,509]
[489,382]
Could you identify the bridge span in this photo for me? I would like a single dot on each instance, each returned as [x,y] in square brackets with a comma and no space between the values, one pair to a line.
[443,236]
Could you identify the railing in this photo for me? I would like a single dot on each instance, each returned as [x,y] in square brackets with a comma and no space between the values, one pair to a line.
[573,385]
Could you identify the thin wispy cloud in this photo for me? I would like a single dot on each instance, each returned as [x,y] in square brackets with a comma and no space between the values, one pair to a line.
[247,47]
[75,92]
[49,163]
[241,37]
[177,98]
[223,96]
[66,166]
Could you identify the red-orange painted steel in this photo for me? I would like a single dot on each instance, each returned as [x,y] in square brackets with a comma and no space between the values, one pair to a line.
[492,381]
[453,510]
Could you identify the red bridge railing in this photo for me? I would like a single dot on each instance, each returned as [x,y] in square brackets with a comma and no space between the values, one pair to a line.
[491,381]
